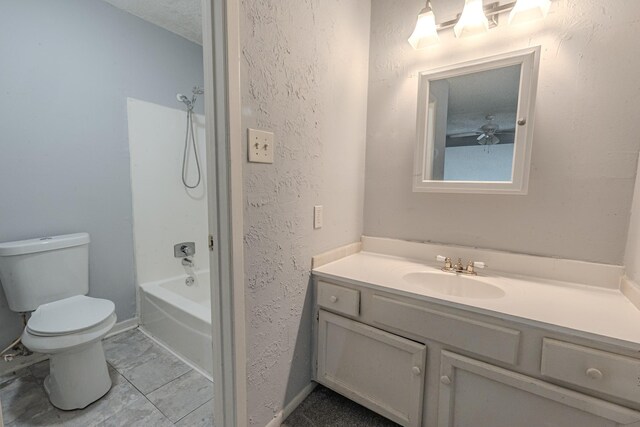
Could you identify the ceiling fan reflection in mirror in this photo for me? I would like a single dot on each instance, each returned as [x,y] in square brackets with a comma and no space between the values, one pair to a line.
[487,134]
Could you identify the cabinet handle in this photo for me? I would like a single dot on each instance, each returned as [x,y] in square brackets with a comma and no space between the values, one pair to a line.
[333,298]
[594,373]
[445,380]
[416,370]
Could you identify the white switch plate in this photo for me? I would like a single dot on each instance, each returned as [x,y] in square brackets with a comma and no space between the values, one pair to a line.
[260,146]
[317,216]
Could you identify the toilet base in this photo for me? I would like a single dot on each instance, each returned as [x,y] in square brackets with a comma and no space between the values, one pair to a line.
[77,378]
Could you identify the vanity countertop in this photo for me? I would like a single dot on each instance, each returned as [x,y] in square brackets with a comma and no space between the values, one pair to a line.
[583,310]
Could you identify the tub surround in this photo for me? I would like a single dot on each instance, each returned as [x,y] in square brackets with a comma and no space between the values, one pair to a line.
[570,296]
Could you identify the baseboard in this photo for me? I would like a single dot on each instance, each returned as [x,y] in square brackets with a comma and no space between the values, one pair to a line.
[123,326]
[291,406]
[21,362]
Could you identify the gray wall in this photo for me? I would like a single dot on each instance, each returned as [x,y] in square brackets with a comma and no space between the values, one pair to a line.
[67,68]
[304,76]
[586,134]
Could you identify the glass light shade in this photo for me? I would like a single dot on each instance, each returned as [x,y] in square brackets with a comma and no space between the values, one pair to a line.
[472,21]
[528,10]
[426,32]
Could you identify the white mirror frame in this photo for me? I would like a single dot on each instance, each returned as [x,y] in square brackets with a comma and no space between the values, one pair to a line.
[529,59]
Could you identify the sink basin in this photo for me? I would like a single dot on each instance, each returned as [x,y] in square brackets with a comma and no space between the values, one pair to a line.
[454,284]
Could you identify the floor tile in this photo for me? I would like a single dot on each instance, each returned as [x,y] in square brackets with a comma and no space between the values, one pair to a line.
[183,395]
[10,376]
[22,398]
[122,394]
[324,408]
[201,417]
[144,363]
[138,414]
[156,373]
[180,393]
[129,349]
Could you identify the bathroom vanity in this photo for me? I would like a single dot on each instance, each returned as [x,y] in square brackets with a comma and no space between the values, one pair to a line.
[427,348]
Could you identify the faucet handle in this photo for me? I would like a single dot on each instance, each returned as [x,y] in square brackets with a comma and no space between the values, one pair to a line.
[441,258]
[478,264]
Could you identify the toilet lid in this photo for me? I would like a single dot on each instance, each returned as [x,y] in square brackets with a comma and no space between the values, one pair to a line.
[69,315]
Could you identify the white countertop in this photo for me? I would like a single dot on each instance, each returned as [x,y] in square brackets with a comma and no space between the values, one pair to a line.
[567,307]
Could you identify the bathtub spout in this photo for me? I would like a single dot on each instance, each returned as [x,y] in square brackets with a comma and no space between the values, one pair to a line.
[187,262]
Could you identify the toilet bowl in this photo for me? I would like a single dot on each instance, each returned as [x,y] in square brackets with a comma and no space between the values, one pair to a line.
[49,277]
[70,331]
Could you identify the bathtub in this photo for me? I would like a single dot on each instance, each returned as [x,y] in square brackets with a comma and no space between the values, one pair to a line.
[179,316]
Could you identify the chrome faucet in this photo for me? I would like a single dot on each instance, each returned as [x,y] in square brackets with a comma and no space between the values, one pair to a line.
[458,267]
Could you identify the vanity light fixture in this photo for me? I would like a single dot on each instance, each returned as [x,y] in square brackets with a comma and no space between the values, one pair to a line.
[472,21]
[426,31]
[476,18]
[528,10]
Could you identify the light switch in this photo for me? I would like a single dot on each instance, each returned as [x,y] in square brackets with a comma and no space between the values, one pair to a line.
[317,216]
[261,146]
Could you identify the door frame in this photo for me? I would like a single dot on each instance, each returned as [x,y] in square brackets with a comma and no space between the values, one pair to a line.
[221,55]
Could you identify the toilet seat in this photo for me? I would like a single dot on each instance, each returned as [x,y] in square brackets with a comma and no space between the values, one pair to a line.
[69,316]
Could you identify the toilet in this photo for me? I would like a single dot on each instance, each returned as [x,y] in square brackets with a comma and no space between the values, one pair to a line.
[49,277]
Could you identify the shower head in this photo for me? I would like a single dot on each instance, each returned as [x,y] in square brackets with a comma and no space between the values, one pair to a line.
[182,98]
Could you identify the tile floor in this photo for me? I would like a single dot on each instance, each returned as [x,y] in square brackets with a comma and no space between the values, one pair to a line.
[151,387]
[325,408]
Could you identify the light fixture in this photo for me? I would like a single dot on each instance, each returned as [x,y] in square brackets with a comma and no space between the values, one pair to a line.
[476,18]
[472,21]
[426,31]
[528,10]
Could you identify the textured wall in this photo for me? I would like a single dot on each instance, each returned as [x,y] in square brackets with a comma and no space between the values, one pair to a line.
[304,77]
[67,69]
[586,134]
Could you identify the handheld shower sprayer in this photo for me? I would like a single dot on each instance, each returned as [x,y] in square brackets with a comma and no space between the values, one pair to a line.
[190,136]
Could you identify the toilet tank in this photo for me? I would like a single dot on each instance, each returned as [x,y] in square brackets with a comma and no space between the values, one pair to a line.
[37,271]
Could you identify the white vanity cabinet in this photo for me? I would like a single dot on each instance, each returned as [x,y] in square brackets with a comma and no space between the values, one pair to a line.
[421,363]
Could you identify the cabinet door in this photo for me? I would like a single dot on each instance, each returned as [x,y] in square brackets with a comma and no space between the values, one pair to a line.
[379,370]
[476,394]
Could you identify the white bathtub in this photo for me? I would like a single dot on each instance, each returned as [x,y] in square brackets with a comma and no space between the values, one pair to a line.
[179,316]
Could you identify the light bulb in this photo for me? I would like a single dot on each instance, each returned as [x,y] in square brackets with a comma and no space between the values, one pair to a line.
[472,21]
[528,10]
[426,32]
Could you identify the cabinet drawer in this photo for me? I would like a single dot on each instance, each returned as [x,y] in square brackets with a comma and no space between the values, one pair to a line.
[598,370]
[338,298]
[481,338]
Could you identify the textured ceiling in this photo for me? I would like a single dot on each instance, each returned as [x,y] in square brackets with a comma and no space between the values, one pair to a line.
[182,17]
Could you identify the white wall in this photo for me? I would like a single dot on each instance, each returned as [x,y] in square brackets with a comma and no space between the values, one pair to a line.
[304,76]
[586,134]
[165,212]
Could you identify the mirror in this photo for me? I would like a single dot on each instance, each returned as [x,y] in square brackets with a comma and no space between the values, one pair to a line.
[475,125]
